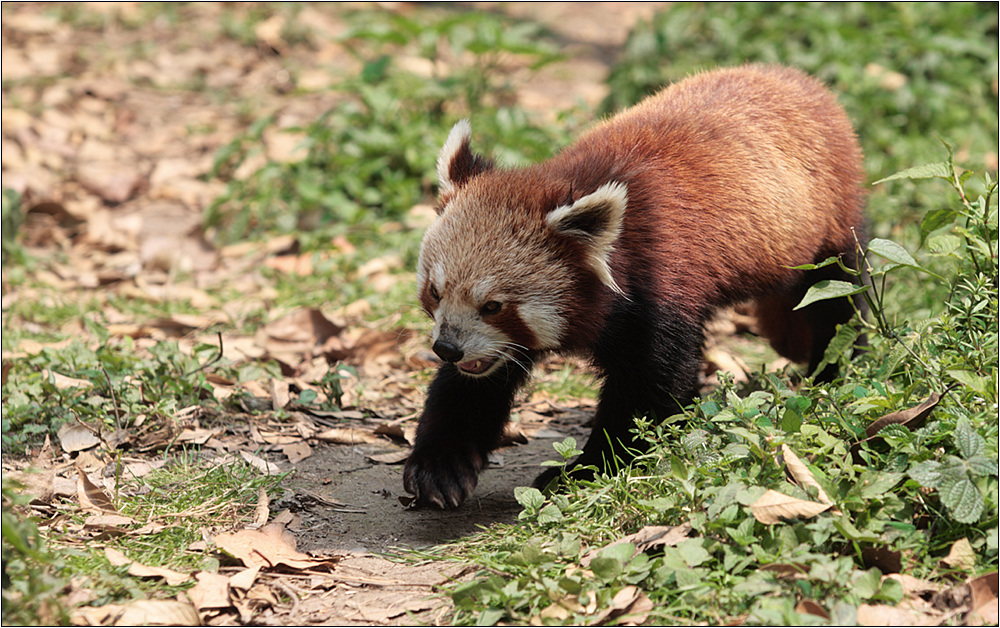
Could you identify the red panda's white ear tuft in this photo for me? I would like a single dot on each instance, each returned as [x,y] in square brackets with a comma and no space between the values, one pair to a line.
[456,162]
[595,220]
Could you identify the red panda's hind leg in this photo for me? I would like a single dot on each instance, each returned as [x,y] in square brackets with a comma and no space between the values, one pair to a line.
[803,335]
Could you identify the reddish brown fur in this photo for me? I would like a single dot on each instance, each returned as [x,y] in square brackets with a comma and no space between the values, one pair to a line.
[732,177]
[699,235]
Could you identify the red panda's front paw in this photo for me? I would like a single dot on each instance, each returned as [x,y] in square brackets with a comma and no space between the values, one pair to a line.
[442,477]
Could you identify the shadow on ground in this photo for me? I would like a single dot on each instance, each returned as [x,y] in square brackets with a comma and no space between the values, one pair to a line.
[348,503]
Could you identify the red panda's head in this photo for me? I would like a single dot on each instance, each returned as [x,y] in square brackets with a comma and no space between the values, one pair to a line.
[503,268]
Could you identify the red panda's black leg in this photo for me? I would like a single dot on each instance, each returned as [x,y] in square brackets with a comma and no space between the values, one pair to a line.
[463,421]
[651,360]
[803,335]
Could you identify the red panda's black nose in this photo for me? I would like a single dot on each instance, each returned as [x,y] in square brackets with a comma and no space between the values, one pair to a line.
[447,351]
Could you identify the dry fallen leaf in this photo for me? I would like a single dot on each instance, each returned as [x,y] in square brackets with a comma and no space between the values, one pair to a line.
[39,485]
[984,598]
[912,418]
[116,557]
[788,571]
[302,330]
[265,467]
[266,548]
[650,537]
[92,497]
[391,457]
[914,586]
[884,615]
[108,522]
[211,592]
[244,579]
[961,555]
[774,507]
[263,510]
[138,613]
[811,607]
[803,476]
[63,382]
[347,436]
[75,437]
[631,601]
[296,452]
[171,577]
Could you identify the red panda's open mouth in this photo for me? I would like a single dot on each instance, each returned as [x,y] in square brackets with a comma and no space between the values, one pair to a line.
[477,367]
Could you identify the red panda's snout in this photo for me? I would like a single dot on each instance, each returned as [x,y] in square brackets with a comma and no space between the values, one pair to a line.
[472,351]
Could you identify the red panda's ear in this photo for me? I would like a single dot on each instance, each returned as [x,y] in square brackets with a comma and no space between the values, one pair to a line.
[457,163]
[595,221]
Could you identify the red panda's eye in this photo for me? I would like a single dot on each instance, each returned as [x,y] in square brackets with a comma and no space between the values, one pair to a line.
[435,294]
[491,307]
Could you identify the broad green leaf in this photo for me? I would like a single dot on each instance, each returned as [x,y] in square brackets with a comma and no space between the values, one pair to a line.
[618,551]
[876,483]
[678,468]
[939,170]
[798,403]
[891,591]
[963,500]
[608,565]
[867,583]
[567,448]
[892,252]
[829,289]
[846,528]
[970,379]
[531,498]
[490,617]
[944,244]
[969,442]
[981,465]
[827,262]
[926,473]
[693,552]
[791,421]
[550,514]
[936,219]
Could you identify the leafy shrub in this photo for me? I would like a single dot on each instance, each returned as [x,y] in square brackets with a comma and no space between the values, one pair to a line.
[372,157]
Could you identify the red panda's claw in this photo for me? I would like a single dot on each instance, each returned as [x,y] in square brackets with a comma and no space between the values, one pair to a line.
[442,480]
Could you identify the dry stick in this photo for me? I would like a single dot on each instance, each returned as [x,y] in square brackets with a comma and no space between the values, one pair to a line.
[210,362]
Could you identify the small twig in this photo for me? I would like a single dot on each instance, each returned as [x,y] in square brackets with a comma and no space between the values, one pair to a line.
[290,592]
[210,362]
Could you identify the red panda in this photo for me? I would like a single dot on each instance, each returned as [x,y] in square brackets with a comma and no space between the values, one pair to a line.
[621,247]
